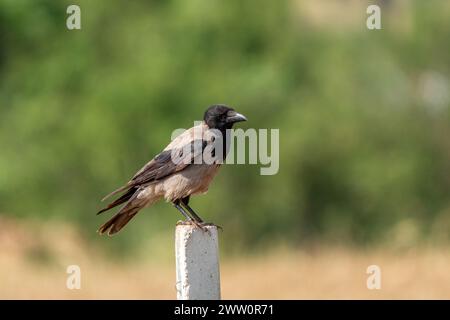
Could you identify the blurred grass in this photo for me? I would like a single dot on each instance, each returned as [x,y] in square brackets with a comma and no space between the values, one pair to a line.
[363,115]
[317,272]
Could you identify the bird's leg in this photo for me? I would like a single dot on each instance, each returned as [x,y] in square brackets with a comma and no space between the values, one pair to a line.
[176,204]
[196,217]
[198,224]
[184,203]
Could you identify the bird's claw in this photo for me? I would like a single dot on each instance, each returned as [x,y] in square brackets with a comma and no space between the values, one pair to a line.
[202,225]
[212,225]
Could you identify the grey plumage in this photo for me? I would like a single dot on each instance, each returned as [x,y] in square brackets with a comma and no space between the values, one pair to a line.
[164,178]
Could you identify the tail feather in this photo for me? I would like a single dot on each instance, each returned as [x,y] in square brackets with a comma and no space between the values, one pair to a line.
[116,223]
[123,188]
[122,199]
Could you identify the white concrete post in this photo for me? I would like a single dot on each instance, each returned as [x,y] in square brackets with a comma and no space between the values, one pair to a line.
[197,263]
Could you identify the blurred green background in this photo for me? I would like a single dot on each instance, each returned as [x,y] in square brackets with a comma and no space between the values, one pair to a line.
[363,115]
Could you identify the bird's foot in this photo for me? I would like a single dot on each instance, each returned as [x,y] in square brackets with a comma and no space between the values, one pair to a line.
[202,225]
[184,222]
[210,224]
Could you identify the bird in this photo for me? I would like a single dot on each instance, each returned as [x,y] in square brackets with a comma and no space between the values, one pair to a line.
[176,173]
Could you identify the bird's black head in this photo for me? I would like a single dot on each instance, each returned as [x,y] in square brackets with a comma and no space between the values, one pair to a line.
[222,117]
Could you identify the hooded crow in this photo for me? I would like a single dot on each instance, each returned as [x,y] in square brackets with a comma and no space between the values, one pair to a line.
[176,173]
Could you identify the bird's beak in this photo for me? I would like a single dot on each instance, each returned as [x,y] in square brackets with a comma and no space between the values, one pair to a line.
[233,117]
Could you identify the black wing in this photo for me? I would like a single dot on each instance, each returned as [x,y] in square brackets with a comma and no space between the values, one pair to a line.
[168,162]
[163,165]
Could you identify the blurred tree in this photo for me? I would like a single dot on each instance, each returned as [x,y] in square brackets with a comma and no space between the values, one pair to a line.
[360,152]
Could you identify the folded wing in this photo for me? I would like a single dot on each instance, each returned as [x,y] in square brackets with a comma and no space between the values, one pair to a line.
[163,165]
